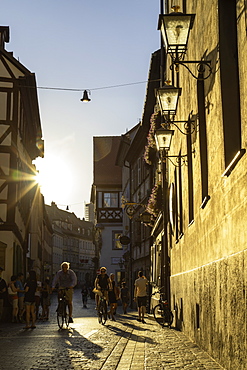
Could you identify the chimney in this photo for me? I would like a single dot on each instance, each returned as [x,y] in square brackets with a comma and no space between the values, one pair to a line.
[4,35]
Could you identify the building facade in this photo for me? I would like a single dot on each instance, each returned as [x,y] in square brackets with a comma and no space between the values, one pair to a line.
[72,241]
[20,143]
[106,197]
[199,248]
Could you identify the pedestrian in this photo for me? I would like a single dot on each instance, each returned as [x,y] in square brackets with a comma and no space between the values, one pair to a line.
[29,299]
[45,299]
[38,298]
[113,297]
[140,294]
[13,298]
[3,293]
[84,294]
[124,295]
[21,293]
[66,279]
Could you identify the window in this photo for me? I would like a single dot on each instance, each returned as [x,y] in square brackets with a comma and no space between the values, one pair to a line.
[3,248]
[229,74]
[110,200]
[190,180]
[18,258]
[203,140]
[139,174]
[179,201]
[116,240]
[245,10]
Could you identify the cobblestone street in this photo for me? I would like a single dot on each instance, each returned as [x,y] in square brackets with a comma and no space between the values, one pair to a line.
[122,345]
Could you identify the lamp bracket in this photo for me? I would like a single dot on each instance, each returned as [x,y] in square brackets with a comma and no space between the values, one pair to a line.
[130,207]
[180,160]
[202,66]
[189,124]
[133,204]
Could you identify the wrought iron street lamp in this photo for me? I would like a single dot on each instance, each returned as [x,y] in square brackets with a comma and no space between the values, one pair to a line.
[175,30]
[167,97]
[163,138]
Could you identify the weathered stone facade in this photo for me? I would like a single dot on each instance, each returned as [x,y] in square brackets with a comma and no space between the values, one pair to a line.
[208,243]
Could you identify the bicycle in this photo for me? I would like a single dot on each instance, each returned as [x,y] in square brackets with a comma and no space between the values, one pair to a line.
[62,310]
[102,308]
[161,311]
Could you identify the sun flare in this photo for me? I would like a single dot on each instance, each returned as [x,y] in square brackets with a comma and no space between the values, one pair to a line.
[55,178]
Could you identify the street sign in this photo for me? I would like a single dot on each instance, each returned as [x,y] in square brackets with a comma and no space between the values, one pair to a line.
[124,240]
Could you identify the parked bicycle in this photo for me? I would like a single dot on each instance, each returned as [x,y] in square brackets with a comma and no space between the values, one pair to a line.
[102,309]
[62,309]
[161,312]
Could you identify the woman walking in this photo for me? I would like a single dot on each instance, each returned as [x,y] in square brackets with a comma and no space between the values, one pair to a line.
[45,299]
[30,289]
[113,297]
[13,298]
[124,295]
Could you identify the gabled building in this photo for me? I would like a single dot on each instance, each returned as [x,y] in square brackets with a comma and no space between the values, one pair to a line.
[106,197]
[72,242]
[20,143]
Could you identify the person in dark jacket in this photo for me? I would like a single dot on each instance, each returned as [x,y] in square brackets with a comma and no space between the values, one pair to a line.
[3,293]
[30,289]
[124,295]
[84,295]
[113,297]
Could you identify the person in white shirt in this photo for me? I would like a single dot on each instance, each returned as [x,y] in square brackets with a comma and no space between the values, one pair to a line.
[140,294]
[66,279]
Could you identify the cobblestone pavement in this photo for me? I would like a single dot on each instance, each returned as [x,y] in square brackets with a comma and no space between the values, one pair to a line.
[121,345]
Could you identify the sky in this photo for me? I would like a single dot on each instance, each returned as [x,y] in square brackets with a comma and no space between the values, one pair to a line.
[82,45]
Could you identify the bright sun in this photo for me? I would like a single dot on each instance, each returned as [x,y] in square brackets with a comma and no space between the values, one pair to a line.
[55,178]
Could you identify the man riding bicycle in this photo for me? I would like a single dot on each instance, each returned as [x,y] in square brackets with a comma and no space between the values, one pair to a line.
[66,279]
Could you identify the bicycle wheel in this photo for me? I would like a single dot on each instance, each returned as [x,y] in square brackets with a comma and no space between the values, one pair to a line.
[104,313]
[159,314]
[66,315]
[100,312]
[60,316]
[163,315]
[168,317]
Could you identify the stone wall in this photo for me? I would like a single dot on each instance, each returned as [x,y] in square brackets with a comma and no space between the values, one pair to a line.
[208,261]
[213,308]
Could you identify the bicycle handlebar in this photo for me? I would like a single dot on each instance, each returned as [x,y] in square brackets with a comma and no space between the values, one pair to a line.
[158,291]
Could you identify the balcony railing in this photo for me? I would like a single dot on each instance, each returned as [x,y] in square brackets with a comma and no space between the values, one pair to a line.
[109,215]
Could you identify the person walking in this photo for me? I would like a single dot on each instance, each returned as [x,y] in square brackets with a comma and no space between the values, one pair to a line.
[66,279]
[29,299]
[21,293]
[113,297]
[45,299]
[3,293]
[84,294]
[140,294]
[124,295]
[13,297]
